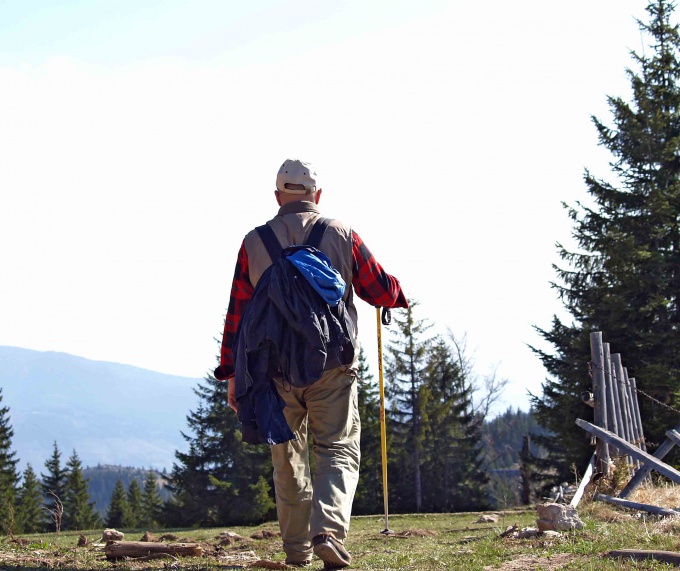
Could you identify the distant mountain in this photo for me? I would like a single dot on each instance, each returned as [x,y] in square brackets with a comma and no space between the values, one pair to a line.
[109,413]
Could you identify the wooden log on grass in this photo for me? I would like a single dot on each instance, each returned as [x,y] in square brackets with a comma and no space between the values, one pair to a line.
[642,554]
[135,549]
[656,510]
[631,449]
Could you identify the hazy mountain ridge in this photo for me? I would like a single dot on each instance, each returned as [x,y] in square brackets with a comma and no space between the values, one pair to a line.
[102,480]
[109,413]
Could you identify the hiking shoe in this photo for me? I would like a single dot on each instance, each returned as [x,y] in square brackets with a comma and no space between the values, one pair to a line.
[331,551]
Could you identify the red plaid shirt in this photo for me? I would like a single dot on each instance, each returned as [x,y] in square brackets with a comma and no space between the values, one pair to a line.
[371,283]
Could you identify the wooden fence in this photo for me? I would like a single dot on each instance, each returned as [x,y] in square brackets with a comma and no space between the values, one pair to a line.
[615,402]
[617,427]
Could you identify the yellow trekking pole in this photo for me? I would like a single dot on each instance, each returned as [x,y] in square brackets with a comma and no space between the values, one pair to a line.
[386,319]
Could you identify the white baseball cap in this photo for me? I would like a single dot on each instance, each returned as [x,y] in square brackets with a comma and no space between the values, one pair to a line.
[294,171]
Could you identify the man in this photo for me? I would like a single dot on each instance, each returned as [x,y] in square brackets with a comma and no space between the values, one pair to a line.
[313,516]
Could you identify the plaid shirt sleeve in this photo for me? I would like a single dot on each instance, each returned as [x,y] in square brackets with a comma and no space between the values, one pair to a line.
[241,292]
[371,283]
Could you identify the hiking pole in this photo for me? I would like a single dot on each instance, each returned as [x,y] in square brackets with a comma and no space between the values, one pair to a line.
[386,320]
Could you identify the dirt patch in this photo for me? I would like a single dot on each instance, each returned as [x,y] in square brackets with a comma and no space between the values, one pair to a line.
[531,562]
[265,534]
[415,533]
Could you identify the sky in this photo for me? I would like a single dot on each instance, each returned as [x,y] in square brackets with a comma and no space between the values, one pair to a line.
[139,143]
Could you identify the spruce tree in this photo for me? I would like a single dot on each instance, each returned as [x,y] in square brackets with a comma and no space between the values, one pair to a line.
[624,276]
[212,483]
[262,504]
[405,373]
[152,503]
[9,478]
[53,484]
[29,512]
[117,512]
[134,501]
[79,511]
[454,478]
[369,495]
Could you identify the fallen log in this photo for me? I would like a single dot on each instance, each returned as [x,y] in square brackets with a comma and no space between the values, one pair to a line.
[641,554]
[636,506]
[135,549]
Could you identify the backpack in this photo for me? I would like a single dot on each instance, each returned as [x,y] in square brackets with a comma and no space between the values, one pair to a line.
[295,326]
[318,333]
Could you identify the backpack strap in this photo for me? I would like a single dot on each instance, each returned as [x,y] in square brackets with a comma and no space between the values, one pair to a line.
[270,241]
[318,230]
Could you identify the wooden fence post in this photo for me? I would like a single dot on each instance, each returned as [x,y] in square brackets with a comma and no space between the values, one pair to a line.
[636,410]
[626,429]
[599,396]
[613,415]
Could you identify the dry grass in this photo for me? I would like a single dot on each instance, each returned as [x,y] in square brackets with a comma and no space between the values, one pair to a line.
[663,494]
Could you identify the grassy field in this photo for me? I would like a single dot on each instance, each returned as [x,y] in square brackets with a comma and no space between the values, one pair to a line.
[421,542]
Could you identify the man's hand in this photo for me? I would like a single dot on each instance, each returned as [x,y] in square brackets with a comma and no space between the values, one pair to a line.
[231,394]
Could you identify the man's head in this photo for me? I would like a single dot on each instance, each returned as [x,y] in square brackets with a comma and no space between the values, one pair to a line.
[296,180]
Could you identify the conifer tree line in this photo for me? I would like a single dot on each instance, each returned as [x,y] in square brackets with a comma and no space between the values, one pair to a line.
[58,499]
[622,274]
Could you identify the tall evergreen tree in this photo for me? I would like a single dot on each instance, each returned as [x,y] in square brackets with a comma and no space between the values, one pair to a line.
[53,484]
[134,501]
[9,479]
[453,463]
[117,514]
[152,503]
[213,482]
[405,376]
[624,277]
[29,512]
[79,511]
[369,495]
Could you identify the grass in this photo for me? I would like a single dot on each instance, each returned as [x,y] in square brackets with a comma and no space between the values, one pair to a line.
[421,542]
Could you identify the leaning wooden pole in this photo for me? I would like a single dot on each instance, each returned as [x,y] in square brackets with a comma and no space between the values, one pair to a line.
[633,450]
[665,447]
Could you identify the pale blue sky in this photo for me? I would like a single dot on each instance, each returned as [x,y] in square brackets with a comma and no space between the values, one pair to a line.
[139,142]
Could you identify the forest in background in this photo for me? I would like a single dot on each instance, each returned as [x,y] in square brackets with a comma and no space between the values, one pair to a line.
[119,496]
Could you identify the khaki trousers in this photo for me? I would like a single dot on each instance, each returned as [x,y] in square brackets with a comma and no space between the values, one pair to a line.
[309,507]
